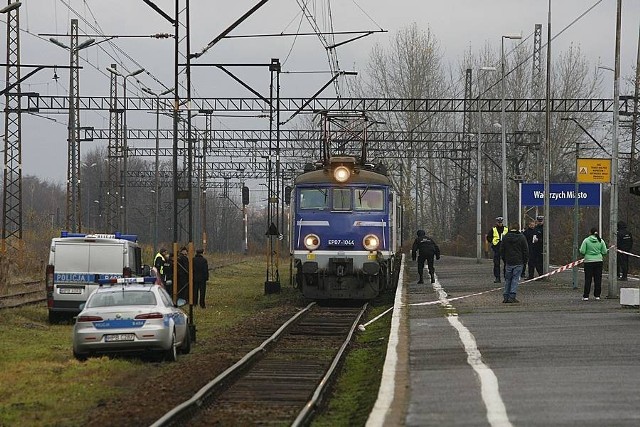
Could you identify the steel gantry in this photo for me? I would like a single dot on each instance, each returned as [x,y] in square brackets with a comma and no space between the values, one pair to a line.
[12,181]
[49,103]
[222,141]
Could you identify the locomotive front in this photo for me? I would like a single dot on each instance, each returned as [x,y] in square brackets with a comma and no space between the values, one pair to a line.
[344,231]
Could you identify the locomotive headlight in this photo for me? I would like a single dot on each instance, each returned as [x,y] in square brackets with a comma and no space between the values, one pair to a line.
[311,242]
[341,173]
[371,242]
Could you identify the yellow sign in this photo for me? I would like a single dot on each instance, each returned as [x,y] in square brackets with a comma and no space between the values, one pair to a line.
[594,170]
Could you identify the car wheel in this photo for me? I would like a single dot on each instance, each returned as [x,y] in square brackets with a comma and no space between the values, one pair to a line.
[171,354]
[80,357]
[186,343]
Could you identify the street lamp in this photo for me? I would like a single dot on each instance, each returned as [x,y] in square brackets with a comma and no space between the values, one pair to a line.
[12,6]
[479,170]
[504,134]
[157,165]
[124,139]
[74,199]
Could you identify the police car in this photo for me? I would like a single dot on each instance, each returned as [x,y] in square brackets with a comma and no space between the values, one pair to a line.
[131,315]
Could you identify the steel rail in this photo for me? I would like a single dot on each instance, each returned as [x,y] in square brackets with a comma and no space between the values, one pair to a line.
[307,412]
[197,400]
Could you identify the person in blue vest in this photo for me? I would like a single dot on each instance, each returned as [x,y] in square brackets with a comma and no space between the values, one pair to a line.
[494,237]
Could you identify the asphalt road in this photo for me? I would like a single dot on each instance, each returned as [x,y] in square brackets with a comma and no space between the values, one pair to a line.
[552,360]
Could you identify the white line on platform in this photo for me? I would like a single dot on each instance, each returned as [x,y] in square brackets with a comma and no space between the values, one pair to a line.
[386,393]
[496,410]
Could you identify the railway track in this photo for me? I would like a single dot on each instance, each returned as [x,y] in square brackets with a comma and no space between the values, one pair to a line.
[282,381]
[31,292]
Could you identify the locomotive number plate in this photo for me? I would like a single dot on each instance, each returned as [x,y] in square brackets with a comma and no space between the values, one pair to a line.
[341,242]
[372,256]
[311,256]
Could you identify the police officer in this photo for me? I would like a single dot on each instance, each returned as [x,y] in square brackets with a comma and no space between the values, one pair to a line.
[183,273]
[624,243]
[200,277]
[528,233]
[494,237]
[168,273]
[425,248]
[158,264]
[536,247]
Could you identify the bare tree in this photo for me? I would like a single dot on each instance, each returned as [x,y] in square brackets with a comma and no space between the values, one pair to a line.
[411,68]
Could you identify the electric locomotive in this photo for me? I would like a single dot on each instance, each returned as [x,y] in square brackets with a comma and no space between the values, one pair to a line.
[345,230]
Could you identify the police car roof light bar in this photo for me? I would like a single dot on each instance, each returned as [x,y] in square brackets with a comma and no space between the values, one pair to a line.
[116,235]
[127,280]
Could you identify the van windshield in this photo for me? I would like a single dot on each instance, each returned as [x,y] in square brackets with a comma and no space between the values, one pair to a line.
[89,258]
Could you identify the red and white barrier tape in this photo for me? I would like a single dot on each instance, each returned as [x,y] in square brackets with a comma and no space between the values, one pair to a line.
[551,273]
[628,253]
[557,270]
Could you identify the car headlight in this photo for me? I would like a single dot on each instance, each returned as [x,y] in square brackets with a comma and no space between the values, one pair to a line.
[371,242]
[311,242]
[341,173]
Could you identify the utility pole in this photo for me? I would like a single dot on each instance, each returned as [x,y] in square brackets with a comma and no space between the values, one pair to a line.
[114,156]
[613,216]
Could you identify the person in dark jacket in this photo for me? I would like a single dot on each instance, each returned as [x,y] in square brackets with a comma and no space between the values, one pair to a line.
[425,248]
[168,273]
[528,233]
[624,243]
[537,246]
[514,251]
[183,274]
[200,277]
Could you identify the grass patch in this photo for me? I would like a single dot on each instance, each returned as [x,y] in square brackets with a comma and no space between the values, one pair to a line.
[356,390]
[44,385]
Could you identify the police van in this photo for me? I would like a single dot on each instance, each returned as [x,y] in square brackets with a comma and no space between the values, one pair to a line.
[77,262]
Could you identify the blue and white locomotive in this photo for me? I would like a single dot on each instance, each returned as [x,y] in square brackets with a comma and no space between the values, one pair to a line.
[345,230]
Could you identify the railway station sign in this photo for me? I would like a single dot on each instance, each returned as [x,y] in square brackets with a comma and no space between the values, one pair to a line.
[594,170]
[560,194]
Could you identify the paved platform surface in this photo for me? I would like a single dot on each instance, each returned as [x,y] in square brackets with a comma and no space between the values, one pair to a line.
[461,357]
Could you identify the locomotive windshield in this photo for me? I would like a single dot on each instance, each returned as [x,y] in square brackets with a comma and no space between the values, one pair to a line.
[314,198]
[368,200]
[341,199]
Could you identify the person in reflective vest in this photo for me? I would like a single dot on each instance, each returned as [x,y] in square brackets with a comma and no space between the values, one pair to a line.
[158,264]
[494,237]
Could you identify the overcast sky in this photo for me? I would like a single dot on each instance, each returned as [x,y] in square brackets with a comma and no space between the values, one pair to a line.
[459,25]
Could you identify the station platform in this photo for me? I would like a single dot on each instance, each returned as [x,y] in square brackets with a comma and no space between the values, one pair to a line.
[458,355]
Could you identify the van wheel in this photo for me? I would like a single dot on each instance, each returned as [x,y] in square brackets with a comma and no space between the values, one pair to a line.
[54,317]
[171,355]
[186,343]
